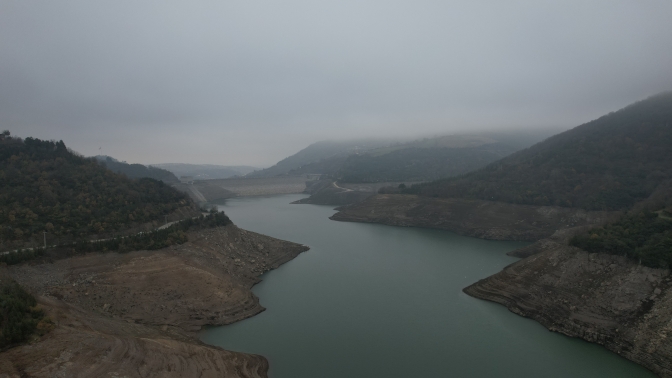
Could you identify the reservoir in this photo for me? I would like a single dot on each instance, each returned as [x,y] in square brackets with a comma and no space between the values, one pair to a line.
[370,301]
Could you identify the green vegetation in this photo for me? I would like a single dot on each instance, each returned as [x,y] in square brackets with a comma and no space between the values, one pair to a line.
[606,164]
[137,171]
[157,239]
[205,171]
[317,152]
[419,164]
[420,160]
[19,315]
[46,187]
[175,234]
[21,255]
[645,237]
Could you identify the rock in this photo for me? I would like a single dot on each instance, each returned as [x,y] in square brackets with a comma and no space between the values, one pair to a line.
[199,284]
[482,219]
[626,315]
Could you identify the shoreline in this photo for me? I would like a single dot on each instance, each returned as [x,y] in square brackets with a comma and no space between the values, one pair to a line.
[481,219]
[146,300]
[600,298]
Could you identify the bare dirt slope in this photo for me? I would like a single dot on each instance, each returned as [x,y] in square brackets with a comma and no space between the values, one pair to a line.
[482,219]
[601,298]
[90,345]
[172,292]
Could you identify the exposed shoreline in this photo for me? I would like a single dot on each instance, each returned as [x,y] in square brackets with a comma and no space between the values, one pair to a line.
[139,312]
[149,305]
[600,298]
[481,219]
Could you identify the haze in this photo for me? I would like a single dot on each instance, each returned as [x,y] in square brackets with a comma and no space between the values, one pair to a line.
[251,82]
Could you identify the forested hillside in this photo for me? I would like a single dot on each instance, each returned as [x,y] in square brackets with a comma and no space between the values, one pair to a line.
[317,152]
[419,160]
[137,170]
[205,171]
[419,164]
[606,164]
[46,187]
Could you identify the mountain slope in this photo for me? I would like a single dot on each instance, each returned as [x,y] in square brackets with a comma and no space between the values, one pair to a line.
[606,164]
[46,187]
[319,151]
[419,164]
[136,171]
[205,171]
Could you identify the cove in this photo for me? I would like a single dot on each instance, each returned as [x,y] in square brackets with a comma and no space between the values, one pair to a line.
[370,300]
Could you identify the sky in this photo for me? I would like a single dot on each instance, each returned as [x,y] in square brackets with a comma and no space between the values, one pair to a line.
[251,82]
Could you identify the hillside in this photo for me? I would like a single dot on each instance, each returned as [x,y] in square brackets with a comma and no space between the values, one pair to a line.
[606,164]
[423,159]
[136,171]
[205,171]
[644,234]
[46,187]
[419,164]
[319,151]
[137,314]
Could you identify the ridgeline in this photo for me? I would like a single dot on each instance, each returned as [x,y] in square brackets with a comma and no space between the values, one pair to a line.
[46,187]
[606,164]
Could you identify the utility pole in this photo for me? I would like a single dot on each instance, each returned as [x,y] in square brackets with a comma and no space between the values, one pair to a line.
[45,239]
[166,218]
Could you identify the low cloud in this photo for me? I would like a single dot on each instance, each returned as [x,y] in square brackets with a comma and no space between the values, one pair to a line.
[251,82]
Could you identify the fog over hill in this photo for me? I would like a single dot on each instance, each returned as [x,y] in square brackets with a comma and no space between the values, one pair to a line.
[136,170]
[249,83]
[380,160]
[328,149]
[606,164]
[205,171]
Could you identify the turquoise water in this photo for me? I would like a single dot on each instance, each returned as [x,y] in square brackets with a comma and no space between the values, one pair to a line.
[370,300]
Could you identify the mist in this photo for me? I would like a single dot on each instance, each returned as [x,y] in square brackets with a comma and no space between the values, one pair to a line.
[241,82]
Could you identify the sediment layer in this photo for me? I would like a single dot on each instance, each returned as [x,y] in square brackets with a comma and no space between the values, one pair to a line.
[482,219]
[136,313]
[601,298]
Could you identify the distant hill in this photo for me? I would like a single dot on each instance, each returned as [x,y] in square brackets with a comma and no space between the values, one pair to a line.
[420,164]
[46,187]
[606,164]
[319,151]
[424,159]
[205,171]
[137,170]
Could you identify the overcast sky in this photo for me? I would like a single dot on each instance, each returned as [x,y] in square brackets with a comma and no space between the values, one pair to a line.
[251,82]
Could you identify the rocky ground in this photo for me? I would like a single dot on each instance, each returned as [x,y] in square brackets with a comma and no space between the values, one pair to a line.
[482,219]
[136,314]
[601,298]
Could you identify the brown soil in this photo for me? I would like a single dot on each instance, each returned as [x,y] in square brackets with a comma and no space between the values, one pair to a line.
[482,219]
[136,314]
[600,298]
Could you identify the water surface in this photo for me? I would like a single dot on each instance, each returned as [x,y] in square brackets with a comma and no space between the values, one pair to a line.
[370,300]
